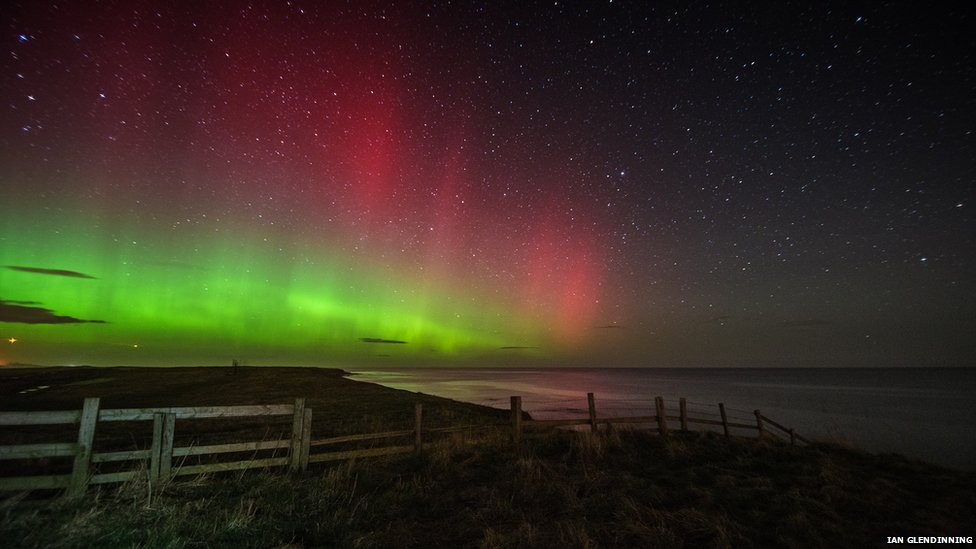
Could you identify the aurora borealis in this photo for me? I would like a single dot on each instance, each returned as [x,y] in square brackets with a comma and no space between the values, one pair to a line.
[368,183]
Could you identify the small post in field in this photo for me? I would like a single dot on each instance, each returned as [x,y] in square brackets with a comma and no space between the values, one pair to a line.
[683,407]
[759,423]
[517,419]
[592,405]
[86,437]
[725,419]
[297,430]
[662,421]
[306,440]
[161,454]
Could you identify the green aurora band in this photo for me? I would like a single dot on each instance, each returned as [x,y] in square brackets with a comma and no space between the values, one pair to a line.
[212,296]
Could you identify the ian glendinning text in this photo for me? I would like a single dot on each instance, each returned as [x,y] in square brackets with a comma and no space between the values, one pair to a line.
[931,539]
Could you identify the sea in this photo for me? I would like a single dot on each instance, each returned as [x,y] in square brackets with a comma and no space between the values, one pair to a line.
[922,413]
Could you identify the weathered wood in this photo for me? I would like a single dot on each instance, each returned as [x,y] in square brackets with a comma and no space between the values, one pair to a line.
[368,452]
[517,419]
[725,419]
[418,440]
[662,421]
[30,451]
[86,439]
[161,452]
[197,412]
[461,428]
[592,409]
[59,417]
[554,422]
[306,439]
[705,421]
[787,430]
[166,453]
[46,482]
[230,448]
[156,449]
[683,413]
[365,436]
[130,455]
[295,450]
[775,424]
[633,419]
[231,466]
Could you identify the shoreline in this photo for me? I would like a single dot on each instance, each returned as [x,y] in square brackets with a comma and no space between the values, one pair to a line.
[615,487]
[342,394]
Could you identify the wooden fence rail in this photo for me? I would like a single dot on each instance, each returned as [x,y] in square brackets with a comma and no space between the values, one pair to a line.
[162,453]
[659,420]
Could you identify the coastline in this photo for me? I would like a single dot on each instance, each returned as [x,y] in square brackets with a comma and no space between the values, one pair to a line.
[328,391]
[921,412]
[609,488]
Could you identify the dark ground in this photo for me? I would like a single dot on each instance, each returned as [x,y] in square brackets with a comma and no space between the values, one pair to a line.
[559,489]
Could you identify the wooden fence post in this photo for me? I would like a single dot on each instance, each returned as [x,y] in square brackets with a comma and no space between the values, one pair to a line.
[683,407]
[792,437]
[592,406]
[297,430]
[306,440]
[86,437]
[662,422]
[161,455]
[418,414]
[759,423]
[725,419]
[517,419]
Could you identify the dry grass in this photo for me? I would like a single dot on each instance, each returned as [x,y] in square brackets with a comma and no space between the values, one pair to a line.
[615,488]
[560,490]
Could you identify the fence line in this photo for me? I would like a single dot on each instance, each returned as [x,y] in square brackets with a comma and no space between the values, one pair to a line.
[162,452]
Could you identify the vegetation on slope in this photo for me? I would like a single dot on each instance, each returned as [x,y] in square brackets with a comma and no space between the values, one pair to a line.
[609,489]
[559,489]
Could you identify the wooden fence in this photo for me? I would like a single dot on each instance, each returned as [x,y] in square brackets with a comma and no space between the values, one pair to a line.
[162,453]
[660,420]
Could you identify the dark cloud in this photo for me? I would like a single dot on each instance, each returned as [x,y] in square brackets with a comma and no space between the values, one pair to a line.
[609,327]
[804,323]
[55,272]
[380,340]
[517,347]
[15,311]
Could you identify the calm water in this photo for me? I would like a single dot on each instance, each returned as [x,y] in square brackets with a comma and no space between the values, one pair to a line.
[926,413]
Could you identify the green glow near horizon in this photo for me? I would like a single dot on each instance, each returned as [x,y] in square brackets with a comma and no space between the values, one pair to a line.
[209,297]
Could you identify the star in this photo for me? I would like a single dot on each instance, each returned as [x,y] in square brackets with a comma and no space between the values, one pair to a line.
[417,182]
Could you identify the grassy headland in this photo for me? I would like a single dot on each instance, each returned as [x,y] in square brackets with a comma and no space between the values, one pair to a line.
[609,489]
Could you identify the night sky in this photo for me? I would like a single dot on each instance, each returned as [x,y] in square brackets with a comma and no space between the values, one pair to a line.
[469,184]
